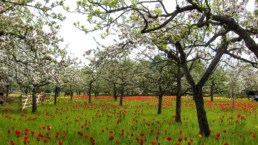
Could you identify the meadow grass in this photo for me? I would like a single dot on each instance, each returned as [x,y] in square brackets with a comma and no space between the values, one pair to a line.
[104,122]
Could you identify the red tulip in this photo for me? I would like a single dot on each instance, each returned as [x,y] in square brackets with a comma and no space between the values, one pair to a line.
[38,138]
[153,142]
[168,138]
[180,139]
[60,142]
[191,139]
[112,137]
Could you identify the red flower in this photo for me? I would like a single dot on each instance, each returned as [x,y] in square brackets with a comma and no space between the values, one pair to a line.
[189,143]
[60,142]
[157,137]
[141,142]
[45,140]
[25,132]
[112,137]
[157,132]
[226,143]
[191,139]
[168,138]
[117,121]
[251,132]
[116,141]
[18,135]
[86,136]
[180,139]
[185,138]
[254,136]
[9,131]
[218,134]
[137,138]
[153,142]
[142,134]
[216,137]
[38,138]
[225,131]
[151,130]
[32,132]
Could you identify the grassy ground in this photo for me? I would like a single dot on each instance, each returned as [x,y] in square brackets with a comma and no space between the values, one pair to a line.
[105,122]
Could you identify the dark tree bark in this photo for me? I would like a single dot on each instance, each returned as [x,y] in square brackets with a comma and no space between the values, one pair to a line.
[122,95]
[197,88]
[114,92]
[201,113]
[212,90]
[56,93]
[90,88]
[178,94]
[34,100]
[71,92]
[7,90]
[160,104]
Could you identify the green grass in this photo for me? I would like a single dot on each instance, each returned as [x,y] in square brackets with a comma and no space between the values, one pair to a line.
[103,114]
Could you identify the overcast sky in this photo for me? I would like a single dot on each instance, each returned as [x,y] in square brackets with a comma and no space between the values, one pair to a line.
[78,42]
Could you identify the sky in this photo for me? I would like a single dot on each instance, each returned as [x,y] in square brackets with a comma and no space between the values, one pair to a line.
[78,42]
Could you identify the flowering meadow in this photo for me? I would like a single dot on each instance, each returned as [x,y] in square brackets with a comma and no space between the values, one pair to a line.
[104,122]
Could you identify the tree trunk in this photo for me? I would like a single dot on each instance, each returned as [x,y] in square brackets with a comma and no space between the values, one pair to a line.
[160,104]
[7,90]
[56,93]
[34,100]
[201,113]
[212,88]
[114,92]
[178,94]
[90,92]
[122,95]
[71,93]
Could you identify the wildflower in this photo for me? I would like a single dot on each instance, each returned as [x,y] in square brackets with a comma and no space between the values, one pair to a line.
[168,138]
[180,139]
[60,142]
